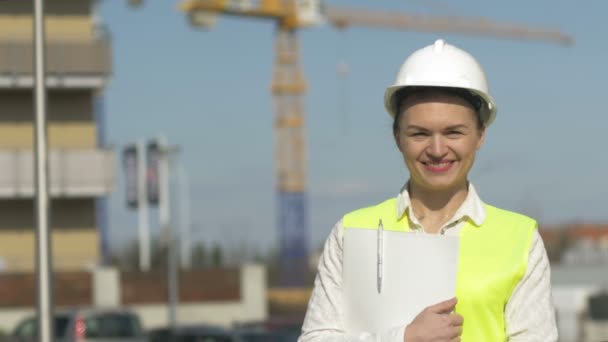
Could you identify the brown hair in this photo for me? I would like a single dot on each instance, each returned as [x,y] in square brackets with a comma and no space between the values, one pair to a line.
[401,95]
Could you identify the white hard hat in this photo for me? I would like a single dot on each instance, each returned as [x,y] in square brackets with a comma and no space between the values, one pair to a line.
[445,66]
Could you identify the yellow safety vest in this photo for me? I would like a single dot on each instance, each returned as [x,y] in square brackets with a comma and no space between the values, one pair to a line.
[492,260]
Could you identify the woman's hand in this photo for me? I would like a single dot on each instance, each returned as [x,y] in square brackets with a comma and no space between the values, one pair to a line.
[436,323]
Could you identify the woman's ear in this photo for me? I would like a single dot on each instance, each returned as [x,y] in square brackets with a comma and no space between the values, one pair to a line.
[482,137]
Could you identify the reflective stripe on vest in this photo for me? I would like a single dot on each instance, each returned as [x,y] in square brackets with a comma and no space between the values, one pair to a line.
[492,260]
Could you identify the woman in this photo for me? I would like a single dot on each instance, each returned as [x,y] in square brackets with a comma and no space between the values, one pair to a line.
[441,109]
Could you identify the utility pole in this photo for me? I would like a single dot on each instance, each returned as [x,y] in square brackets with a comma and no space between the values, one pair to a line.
[184,201]
[43,244]
[164,212]
[142,210]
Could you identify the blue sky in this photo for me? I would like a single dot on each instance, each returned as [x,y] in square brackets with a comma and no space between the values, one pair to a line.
[208,91]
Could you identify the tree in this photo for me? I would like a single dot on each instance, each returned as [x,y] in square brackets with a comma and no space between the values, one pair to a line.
[217,256]
[199,256]
[128,258]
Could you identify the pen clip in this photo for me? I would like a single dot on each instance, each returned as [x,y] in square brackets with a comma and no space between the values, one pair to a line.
[380,252]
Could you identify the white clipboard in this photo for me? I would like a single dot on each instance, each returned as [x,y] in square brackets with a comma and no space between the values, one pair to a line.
[418,270]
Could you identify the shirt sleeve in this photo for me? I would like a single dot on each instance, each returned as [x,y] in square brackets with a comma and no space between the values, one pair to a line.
[324,320]
[529,314]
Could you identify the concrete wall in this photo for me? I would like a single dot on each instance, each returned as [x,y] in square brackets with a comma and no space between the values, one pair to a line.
[252,306]
[106,283]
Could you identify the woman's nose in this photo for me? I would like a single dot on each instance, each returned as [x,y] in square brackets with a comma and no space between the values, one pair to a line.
[437,147]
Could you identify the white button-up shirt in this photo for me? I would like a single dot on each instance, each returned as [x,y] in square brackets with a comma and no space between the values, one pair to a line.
[529,313]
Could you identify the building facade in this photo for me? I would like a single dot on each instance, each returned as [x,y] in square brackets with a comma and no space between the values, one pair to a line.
[82,168]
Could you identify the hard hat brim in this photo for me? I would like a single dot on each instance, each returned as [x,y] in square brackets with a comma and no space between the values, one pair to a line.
[487,111]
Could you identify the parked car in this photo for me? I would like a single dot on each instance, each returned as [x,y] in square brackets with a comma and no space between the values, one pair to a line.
[86,325]
[274,329]
[259,334]
[191,333]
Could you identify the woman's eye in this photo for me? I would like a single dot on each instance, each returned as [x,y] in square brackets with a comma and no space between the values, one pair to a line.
[454,133]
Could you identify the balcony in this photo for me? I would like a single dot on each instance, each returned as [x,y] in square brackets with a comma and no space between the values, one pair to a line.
[86,64]
[73,173]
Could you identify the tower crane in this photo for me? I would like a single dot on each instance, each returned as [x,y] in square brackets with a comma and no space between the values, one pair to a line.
[289,86]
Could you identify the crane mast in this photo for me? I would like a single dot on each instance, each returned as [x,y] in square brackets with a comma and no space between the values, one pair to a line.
[288,89]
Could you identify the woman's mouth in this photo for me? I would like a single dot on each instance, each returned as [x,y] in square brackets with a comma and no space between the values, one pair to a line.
[438,167]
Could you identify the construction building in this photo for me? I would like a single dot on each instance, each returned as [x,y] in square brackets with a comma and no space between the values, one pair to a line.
[82,171]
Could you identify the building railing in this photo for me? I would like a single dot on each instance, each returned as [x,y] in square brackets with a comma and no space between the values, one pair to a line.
[72,172]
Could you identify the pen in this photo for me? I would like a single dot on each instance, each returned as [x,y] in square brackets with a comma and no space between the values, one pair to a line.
[380,248]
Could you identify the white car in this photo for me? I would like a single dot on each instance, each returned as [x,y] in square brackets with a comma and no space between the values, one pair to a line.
[86,325]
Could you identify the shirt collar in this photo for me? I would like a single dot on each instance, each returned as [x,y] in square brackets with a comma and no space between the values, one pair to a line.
[472,207]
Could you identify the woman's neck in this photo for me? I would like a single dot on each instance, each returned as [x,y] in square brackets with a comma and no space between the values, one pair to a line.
[434,208]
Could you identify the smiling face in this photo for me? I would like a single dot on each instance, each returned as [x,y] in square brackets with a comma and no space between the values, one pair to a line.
[438,134]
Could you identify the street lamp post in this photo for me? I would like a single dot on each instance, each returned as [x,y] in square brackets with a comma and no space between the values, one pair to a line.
[164,211]
[43,246]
